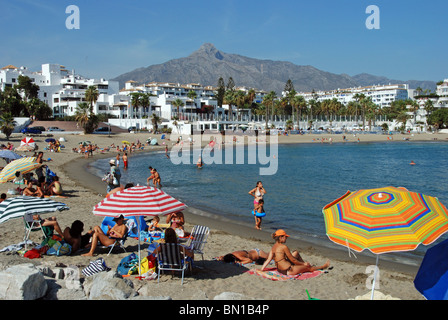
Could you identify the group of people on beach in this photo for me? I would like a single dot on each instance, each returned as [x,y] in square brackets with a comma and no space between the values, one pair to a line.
[286,262]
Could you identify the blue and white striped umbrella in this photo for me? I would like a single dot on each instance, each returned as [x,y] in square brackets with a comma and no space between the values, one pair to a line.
[19,206]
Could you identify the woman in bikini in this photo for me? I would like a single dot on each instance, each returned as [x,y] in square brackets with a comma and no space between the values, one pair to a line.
[285,261]
[258,192]
[243,256]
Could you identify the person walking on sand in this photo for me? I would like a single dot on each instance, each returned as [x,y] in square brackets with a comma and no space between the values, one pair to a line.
[285,262]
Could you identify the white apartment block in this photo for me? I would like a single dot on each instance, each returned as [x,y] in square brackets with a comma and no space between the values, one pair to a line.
[382,95]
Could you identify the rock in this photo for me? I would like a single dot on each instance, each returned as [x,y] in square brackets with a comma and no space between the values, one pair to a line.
[105,286]
[230,296]
[377,295]
[22,282]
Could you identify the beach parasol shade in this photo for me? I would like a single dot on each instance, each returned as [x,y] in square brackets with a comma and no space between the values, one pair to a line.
[23,165]
[27,141]
[8,154]
[20,206]
[137,201]
[50,140]
[385,220]
[432,277]
[125,142]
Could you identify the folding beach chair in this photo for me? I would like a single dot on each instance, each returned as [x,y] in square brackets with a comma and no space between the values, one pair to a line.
[170,257]
[198,239]
[119,242]
[34,225]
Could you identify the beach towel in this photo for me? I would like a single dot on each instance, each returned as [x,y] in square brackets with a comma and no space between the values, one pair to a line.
[274,275]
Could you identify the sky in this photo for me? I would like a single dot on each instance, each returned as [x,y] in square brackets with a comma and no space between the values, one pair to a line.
[115,37]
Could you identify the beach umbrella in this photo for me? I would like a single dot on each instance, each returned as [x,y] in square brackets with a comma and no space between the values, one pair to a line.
[10,155]
[138,201]
[50,140]
[432,277]
[20,206]
[23,165]
[125,142]
[29,142]
[385,220]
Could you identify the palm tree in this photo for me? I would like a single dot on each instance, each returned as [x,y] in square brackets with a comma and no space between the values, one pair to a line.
[91,96]
[135,101]
[82,115]
[7,124]
[269,99]
[429,108]
[155,119]
[229,99]
[178,103]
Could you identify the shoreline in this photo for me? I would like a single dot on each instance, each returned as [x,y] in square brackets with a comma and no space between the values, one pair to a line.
[198,216]
[83,190]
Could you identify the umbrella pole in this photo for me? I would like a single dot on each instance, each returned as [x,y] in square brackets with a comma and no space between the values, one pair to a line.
[139,260]
[374,277]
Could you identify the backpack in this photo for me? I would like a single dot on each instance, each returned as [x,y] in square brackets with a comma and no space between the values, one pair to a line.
[59,248]
[127,264]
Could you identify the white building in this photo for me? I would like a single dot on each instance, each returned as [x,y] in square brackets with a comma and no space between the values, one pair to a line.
[382,95]
[63,90]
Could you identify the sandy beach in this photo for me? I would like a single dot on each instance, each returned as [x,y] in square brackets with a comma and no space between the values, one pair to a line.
[346,280]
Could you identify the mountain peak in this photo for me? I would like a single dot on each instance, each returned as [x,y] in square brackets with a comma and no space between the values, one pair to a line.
[210,50]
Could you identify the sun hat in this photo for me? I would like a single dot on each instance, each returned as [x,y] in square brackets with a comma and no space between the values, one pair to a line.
[112,161]
[280,232]
[118,218]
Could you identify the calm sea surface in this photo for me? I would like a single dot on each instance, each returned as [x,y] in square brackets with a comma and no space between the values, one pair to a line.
[309,176]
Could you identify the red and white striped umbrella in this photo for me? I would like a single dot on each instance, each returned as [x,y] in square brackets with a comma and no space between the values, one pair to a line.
[138,201]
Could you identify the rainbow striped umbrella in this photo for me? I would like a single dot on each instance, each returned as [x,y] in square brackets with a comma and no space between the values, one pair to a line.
[23,165]
[385,220]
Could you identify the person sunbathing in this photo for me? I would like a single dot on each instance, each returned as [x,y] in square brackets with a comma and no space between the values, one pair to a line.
[72,235]
[48,222]
[243,256]
[106,239]
[33,192]
[55,188]
[285,262]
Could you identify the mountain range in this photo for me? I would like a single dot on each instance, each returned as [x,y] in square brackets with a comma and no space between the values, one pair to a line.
[208,64]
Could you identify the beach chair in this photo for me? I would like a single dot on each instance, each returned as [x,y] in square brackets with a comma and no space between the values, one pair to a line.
[34,225]
[119,242]
[170,257]
[198,239]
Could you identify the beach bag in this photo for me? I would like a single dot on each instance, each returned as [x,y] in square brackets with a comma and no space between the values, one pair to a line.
[59,248]
[126,264]
[94,267]
[108,178]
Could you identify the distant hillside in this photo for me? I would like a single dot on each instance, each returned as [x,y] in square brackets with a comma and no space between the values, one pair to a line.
[208,64]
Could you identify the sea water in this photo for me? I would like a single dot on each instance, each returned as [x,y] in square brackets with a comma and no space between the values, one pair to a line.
[309,176]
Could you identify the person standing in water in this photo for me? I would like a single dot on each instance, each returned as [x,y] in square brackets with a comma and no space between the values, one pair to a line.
[258,192]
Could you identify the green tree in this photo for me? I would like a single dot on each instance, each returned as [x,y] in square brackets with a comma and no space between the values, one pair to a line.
[439,118]
[27,88]
[7,124]
[220,92]
[178,103]
[85,118]
[269,101]
[155,120]
[91,96]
